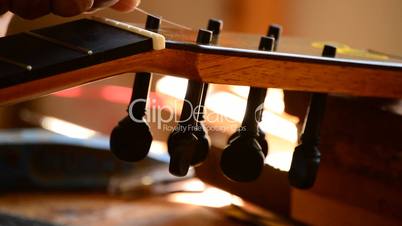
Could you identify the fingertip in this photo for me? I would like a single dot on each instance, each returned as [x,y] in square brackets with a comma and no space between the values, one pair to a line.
[70,8]
[126,5]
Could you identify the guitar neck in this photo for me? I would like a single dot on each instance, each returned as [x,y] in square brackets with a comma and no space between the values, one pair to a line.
[55,58]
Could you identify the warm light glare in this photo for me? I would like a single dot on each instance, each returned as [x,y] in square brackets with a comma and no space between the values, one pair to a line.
[116,94]
[158,151]
[69,93]
[194,185]
[66,128]
[278,126]
[227,104]
[211,197]
[280,160]
[158,147]
[273,102]
[240,90]
[172,86]
[233,107]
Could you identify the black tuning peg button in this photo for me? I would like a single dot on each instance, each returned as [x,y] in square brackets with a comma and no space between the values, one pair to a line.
[260,139]
[306,157]
[243,158]
[188,144]
[131,139]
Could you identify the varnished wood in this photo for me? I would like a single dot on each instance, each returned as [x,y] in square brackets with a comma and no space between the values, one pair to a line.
[100,209]
[234,67]
[223,69]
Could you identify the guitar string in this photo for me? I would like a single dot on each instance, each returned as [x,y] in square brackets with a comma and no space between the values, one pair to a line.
[87,51]
[18,64]
[59,43]
[164,20]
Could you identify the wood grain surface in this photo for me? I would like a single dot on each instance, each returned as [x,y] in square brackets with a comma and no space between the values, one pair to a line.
[101,209]
[223,69]
[301,72]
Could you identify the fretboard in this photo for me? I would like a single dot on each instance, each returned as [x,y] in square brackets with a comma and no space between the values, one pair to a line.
[45,52]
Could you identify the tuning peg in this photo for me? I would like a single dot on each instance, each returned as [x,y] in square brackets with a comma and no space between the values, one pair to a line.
[266,45]
[275,31]
[306,157]
[243,158]
[131,139]
[189,144]
[201,153]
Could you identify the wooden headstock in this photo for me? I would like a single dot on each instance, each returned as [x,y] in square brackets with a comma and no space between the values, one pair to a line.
[235,61]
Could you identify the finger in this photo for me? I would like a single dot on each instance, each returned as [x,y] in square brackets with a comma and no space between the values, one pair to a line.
[126,5]
[30,9]
[103,3]
[4,6]
[70,7]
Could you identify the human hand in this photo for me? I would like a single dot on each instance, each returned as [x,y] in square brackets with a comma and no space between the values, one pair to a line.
[31,9]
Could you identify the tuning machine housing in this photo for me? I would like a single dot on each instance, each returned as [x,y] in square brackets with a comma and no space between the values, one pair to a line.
[243,158]
[215,26]
[131,139]
[306,157]
[189,140]
[190,148]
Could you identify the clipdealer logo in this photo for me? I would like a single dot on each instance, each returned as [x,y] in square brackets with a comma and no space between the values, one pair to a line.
[164,116]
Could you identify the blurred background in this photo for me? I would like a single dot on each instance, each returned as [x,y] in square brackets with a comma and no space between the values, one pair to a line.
[79,120]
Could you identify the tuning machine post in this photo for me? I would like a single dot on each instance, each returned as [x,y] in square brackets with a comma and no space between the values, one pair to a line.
[215,25]
[243,158]
[275,31]
[306,157]
[131,139]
